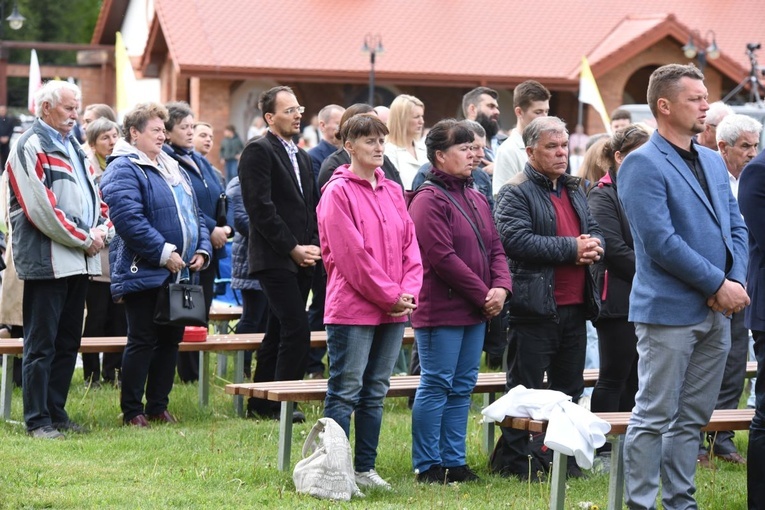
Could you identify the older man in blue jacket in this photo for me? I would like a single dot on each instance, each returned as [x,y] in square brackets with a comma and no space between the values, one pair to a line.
[691,257]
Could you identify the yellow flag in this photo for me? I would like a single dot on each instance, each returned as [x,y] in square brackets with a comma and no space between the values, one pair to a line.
[589,93]
[125,79]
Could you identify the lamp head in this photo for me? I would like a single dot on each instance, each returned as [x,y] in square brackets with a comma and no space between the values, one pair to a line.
[15,20]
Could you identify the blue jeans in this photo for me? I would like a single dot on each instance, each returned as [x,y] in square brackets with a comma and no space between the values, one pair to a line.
[361,361]
[679,373]
[449,360]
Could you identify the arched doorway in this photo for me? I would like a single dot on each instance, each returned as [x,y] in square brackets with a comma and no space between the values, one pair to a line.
[637,86]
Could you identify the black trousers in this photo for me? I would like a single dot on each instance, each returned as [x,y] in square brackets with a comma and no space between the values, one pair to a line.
[316,317]
[188,362]
[283,355]
[618,379]
[52,315]
[105,318]
[254,319]
[755,469]
[555,349]
[149,358]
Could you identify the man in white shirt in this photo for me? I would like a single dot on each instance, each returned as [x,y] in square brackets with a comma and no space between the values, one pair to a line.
[530,100]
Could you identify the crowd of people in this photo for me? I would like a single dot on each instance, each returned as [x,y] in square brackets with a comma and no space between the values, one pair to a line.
[387,226]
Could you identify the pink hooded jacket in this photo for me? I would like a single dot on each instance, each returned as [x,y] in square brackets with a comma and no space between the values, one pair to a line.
[368,247]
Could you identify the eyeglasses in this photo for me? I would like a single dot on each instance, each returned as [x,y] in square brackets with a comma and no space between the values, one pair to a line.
[294,109]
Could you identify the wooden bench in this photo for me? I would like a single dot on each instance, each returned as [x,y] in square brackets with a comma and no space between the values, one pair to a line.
[722,419]
[291,392]
[288,393]
[10,347]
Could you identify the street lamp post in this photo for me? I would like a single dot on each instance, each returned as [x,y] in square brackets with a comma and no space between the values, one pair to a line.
[15,21]
[703,51]
[373,46]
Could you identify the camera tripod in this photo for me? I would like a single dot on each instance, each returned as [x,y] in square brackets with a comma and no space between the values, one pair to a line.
[753,80]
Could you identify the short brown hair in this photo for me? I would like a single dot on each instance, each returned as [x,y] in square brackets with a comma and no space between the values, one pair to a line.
[365,124]
[139,116]
[664,83]
[528,92]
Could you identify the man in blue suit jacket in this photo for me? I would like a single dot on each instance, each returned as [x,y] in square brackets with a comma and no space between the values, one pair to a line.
[691,257]
[751,199]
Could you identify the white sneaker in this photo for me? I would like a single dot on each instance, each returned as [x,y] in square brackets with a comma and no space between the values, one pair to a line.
[371,480]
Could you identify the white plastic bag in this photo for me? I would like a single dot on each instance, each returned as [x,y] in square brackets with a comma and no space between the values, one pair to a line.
[326,470]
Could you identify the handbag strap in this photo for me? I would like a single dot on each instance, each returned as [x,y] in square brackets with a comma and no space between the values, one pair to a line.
[308,446]
[456,204]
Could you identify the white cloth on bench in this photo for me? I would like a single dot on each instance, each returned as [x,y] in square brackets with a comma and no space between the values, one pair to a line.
[572,430]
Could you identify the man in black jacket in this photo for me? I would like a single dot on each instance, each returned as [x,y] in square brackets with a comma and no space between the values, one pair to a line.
[549,238]
[280,198]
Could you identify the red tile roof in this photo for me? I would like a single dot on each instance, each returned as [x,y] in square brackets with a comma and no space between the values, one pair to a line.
[456,42]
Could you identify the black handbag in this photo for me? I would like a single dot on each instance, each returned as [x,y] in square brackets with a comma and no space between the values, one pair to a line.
[180,304]
[221,210]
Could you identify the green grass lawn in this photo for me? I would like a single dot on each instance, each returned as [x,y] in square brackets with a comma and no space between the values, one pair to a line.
[214,459]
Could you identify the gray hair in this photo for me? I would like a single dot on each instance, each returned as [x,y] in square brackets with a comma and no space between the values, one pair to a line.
[99,127]
[50,93]
[717,112]
[533,132]
[326,112]
[475,127]
[734,125]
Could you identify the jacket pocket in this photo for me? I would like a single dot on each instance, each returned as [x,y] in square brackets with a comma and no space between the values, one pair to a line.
[531,296]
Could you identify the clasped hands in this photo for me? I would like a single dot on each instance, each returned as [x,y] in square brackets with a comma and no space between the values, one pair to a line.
[730,298]
[588,250]
[404,306]
[175,263]
[306,255]
[98,243]
[495,300]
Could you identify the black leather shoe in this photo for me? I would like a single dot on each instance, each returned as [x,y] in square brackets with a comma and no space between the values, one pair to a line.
[70,426]
[46,432]
[460,474]
[435,474]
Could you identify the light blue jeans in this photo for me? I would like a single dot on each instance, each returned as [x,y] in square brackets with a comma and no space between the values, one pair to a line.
[449,360]
[361,360]
[680,369]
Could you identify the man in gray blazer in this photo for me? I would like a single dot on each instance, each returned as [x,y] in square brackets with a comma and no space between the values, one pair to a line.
[691,258]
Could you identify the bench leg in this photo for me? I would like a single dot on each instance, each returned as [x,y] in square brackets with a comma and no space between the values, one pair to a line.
[222,364]
[558,483]
[239,378]
[616,481]
[6,387]
[204,378]
[285,435]
[488,428]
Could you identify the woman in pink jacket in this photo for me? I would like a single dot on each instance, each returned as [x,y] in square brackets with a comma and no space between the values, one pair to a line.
[374,272]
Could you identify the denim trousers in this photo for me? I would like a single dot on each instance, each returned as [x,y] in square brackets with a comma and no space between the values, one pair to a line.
[150,356]
[449,361]
[679,372]
[52,314]
[361,361]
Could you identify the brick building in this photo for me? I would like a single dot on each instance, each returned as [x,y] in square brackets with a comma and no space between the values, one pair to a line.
[220,55]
